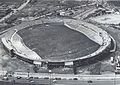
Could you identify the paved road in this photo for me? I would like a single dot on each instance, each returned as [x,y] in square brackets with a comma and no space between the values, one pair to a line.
[70,82]
[68,79]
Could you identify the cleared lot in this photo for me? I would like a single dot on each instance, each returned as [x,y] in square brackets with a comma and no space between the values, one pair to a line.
[108,19]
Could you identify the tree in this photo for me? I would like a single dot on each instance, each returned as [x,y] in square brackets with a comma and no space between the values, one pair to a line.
[95,69]
[33,2]
[35,68]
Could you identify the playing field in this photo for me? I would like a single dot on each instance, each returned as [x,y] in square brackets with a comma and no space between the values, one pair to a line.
[57,42]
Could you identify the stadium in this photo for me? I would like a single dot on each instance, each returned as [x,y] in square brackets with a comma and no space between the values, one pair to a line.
[58,44]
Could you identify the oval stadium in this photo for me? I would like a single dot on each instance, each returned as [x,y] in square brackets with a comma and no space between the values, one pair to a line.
[62,43]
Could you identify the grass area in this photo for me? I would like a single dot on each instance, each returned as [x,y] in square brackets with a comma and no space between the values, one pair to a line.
[12,64]
[11,0]
[56,41]
[107,19]
[114,2]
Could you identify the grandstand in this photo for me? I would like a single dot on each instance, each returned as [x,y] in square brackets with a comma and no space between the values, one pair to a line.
[72,43]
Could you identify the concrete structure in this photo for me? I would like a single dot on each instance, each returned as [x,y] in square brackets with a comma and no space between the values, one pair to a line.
[14,44]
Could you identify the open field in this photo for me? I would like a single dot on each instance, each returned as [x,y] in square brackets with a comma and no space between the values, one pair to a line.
[11,0]
[108,19]
[55,41]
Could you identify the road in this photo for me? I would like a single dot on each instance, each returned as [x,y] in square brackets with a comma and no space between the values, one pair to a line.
[15,11]
[85,13]
[62,79]
[70,82]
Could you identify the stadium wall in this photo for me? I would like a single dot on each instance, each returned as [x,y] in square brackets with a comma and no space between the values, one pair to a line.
[102,52]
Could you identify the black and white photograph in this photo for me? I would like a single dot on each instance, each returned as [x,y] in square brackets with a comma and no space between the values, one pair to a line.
[59,42]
